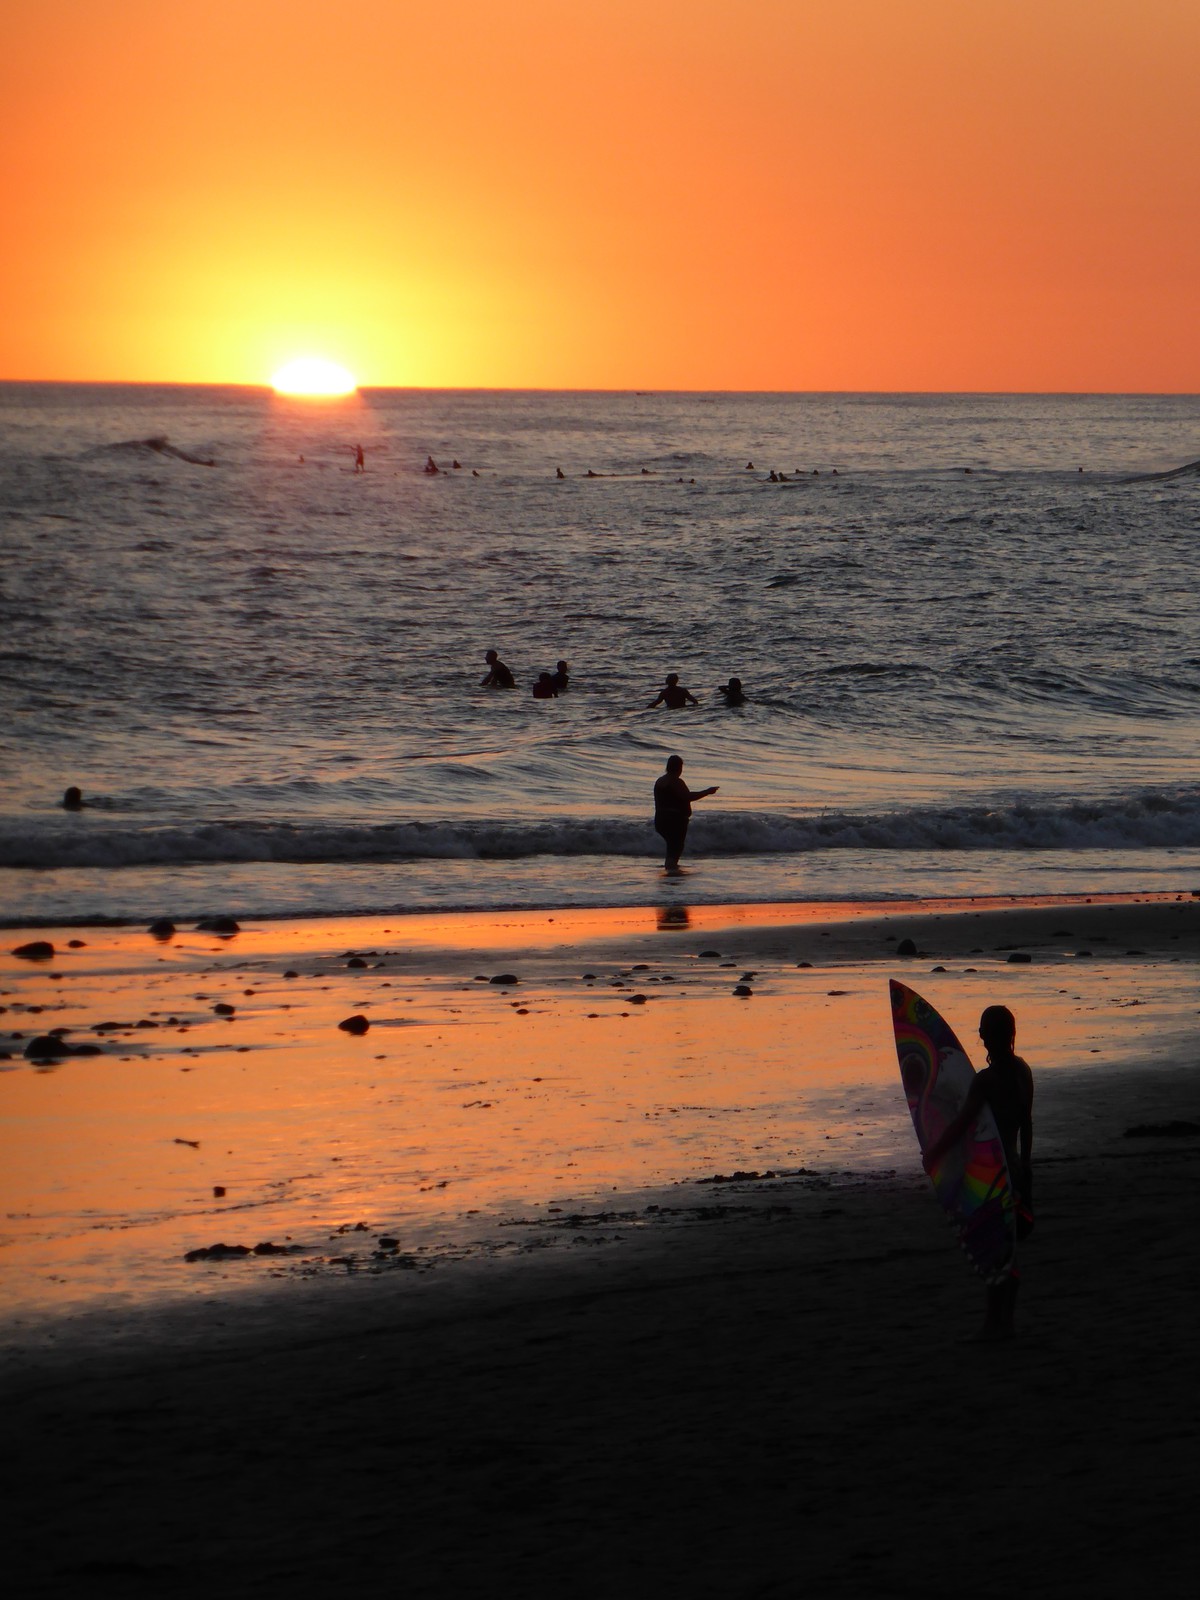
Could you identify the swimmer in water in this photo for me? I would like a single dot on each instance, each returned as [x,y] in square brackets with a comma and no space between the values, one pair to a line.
[673,695]
[498,675]
[733,693]
[561,677]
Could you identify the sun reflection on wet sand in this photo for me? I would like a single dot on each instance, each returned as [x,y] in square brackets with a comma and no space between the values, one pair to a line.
[621,1061]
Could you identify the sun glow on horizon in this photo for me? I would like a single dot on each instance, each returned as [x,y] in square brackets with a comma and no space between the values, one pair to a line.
[313,377]
[927,196]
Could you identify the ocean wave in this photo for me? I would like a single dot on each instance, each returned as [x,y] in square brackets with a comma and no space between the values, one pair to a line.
[159,444]
[1190,470]
[1153,820]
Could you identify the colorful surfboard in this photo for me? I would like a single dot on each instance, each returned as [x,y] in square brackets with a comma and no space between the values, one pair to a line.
[971,1179]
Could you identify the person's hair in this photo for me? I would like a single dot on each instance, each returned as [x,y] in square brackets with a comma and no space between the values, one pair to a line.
[998,1026]
[674,763]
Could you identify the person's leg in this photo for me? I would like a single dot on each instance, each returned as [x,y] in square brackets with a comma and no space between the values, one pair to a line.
[1001,1307]
[663,833]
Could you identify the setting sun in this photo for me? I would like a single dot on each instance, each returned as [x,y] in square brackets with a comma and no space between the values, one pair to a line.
[311,375]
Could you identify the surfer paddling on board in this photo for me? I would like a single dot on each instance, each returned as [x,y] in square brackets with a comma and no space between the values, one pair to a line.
[1006,1086]
[673,809]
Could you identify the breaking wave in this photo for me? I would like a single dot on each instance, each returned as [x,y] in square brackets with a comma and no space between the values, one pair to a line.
[158,444]
[1147,821]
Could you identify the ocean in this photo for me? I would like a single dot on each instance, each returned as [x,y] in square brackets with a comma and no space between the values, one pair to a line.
[968,627]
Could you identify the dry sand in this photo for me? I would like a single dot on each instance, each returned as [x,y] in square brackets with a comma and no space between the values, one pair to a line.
[760,1388]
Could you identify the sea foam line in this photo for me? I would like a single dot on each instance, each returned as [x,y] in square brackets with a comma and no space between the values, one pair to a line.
[1152,820]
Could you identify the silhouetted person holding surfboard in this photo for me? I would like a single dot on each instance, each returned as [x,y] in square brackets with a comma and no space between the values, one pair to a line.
[673,810]
[1006,1086]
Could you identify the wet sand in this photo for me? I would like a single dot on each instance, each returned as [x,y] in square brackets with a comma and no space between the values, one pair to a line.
[759,1387]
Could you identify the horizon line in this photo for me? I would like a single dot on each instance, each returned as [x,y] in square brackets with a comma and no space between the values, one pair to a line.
[627,389]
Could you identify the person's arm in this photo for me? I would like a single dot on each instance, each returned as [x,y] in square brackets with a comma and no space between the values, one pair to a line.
[954,1132]
[702,794]
[657,702]
[691,697]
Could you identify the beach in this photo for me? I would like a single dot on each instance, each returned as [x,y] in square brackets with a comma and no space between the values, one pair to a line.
[599,804]
[653,1297]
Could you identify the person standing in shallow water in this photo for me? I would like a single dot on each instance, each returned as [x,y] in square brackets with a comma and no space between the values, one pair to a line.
[1006,1086]
[673,809]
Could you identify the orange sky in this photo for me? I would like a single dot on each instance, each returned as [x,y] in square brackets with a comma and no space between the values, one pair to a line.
[776,194]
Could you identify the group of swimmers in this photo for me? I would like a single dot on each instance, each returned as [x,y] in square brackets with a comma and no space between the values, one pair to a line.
[432,470]
[674,696]
[549,685]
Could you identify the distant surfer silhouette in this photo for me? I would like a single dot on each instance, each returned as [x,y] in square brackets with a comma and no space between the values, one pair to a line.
[360,463]
[431,467]
[561,677]
[498,675]
[1006,1086]
[72,799]
[673,809]
[673,695]
[544,688]
[733,693]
